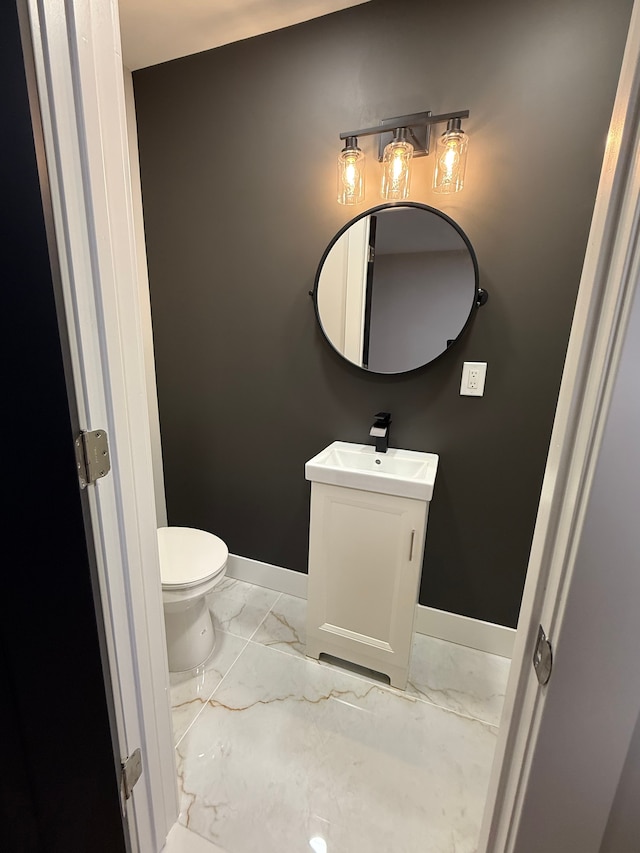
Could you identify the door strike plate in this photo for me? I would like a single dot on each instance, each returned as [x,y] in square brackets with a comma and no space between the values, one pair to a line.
[92,456]
[543,657]
[131,772]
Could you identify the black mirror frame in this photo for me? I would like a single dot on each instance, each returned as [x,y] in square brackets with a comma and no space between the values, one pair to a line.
[480,296]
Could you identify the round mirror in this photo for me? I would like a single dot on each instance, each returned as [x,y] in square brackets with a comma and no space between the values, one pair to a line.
[396,287]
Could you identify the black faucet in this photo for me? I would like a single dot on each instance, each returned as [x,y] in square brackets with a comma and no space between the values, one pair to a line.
[380,431]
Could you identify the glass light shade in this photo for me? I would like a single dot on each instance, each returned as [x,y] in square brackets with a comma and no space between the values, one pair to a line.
[351,163]
[451,161]
[396,170]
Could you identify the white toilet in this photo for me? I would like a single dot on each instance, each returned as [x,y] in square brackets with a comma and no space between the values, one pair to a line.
[192,563]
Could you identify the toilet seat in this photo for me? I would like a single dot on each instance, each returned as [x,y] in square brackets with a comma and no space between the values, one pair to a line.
[189,557]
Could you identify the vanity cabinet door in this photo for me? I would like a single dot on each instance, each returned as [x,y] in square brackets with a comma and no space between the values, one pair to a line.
[365,560]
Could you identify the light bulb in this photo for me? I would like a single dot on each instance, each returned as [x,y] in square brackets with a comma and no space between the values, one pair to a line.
[351,163]
[451,159]
[396,167]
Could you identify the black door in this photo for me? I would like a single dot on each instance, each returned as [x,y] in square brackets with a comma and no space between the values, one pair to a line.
[58,784]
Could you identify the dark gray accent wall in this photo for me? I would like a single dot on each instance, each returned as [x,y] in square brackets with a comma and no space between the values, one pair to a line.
[238,149]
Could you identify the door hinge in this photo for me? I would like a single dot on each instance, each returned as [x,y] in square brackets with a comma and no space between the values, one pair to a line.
[131,772]
[543,657]
[372,254]
[92,456]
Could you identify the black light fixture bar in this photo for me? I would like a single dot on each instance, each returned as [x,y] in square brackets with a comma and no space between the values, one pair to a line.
[417,125]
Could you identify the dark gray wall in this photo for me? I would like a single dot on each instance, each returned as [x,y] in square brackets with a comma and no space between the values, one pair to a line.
[238,149]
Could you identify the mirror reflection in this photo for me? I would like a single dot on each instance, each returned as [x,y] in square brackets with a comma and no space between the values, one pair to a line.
[396,288]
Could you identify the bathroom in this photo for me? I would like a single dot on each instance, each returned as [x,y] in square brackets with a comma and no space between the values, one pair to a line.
[534,82]
[238,177]
[239,205]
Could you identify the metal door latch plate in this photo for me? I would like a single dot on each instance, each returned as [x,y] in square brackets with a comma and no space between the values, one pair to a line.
[543,657]
[131,772]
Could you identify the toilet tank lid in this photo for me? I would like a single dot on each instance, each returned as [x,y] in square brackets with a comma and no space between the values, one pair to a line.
[188,555]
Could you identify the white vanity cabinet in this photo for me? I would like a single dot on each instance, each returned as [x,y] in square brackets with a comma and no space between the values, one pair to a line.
[365,561]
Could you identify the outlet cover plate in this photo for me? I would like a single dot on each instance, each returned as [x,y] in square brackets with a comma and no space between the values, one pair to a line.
[473,377]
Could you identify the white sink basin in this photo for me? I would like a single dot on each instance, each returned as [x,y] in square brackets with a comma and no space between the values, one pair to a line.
[405,473]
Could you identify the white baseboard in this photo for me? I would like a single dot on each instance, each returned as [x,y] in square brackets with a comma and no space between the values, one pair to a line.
[264,574]
[463,630]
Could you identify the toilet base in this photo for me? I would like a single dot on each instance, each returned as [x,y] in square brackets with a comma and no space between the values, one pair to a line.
[190,634]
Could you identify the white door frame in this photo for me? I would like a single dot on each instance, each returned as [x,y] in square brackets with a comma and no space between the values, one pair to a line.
[76,47]
[80,82]
[609,279]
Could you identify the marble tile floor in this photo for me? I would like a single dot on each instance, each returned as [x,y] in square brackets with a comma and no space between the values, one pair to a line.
[277,752]
[181,840]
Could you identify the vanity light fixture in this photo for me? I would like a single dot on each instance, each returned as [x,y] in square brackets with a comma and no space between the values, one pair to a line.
[401,139]
[451,158]
[396,167]
[351,162]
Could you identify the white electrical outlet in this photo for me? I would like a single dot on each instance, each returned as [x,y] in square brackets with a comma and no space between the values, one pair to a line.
[473,376]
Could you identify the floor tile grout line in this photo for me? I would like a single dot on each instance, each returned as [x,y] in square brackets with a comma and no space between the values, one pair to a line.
[214,847]
[383,686]
[246,640]
[265,616]
[206,702]
[468,715]
[222,680]
[246,643]
[243,602]
[387,688]
[458,713]
[415,636]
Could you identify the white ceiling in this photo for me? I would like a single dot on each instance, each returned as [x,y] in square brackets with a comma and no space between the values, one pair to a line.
[155,31]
